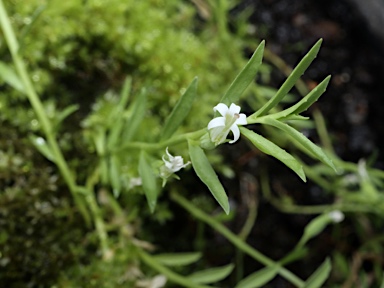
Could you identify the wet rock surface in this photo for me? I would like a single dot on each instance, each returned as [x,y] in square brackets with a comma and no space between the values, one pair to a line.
[351,53]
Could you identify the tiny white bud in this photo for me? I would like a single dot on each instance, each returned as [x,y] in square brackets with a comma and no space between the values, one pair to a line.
[336,216]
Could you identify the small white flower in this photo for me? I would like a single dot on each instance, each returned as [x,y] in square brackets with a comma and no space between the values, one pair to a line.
[135,181]
[172,165]
[220,127]
[336,216]
[156,282]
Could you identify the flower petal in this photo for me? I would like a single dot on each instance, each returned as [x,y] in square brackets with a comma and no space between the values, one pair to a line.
[242,120]
[218,135]
[234,109]
[236,133]
[216,122]
[170,157]
[167,163]
[222,108]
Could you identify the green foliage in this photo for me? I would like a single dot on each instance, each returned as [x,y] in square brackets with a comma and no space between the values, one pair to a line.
[270,148]
[105,77]
[207,175]
[318,278]
[211,275]
[180,112]
[245,77]
[259,278]
[149,181]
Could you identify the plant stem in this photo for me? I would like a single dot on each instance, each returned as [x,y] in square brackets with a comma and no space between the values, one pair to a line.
[161,145]
[235,240]
[322,131]
[38,106]
[59,159]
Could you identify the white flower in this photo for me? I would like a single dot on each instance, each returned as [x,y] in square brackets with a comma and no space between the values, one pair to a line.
[172,165]
[220,127]
[336,216]
[156,282]
[135,181]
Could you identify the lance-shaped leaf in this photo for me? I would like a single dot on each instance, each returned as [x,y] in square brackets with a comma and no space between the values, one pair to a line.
[137,115]
[178,259]
[180,111]
[270,148]
[149,181]
[317,279]
[259,278]
[207,175]
[118,111]
[314,228]
[114,175]
[301,139]
[306,102]
[42,146]
[291,80]
[211,275]
[245,77]
[10,77]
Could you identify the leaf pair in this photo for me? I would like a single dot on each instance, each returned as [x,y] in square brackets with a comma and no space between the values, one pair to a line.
[207,276]
[292,113]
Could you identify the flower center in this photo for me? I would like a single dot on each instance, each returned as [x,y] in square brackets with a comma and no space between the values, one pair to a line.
[230,119]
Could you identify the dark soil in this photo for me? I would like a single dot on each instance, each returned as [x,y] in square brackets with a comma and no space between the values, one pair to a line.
[352,106]
[353,103]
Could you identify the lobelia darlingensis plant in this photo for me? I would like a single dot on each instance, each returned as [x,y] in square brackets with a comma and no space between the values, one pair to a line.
[232,121]
[114,136]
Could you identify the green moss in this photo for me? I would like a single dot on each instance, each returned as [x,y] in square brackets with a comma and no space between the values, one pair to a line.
[80,52]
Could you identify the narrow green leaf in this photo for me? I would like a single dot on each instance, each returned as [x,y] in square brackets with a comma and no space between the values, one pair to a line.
[10,77]
[314,228]
[118,112]
[207,175]
[43,147]
[245,77]
[306,102]
[211,275]
[301,139]
[294,255]
[149,181]
[124,95]
[291,80]
[318,278]
[65,113]
[137,115]
[295,117]
[114,175]
[259,278]
[270,148]
[177,259]
[180,111]
[8,33]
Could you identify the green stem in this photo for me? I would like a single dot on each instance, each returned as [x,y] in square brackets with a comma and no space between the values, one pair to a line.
[99,223]
[172,276]
[162,145]
[235,240]
[322,130]
[37,104]
[96,213]
[308,209]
